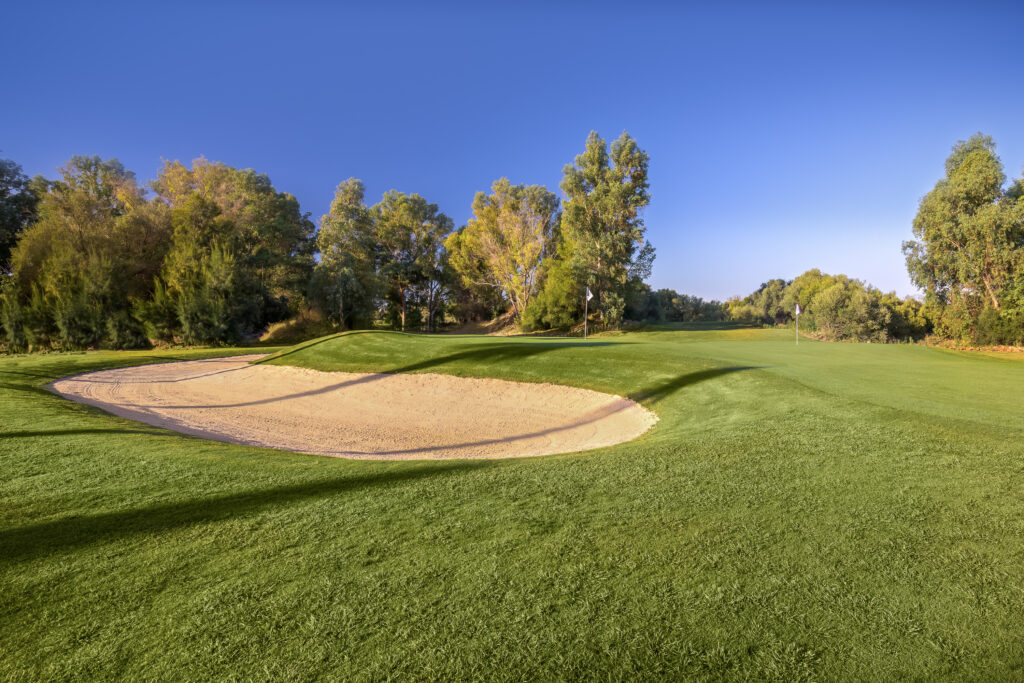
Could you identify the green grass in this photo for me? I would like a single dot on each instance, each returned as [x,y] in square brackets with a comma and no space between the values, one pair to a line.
[825,511]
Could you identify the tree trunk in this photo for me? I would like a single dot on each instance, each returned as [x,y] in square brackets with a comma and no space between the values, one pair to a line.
[991,294]
[341,310]
[403,310]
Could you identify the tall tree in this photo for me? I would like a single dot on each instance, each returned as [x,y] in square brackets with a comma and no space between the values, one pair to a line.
[94,250]
[969,249]
[18,204]
[409,231]
[504,245]
[602,222]
[275,240]
[346,272]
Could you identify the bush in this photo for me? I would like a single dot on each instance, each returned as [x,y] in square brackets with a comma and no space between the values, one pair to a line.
[999,327]
[558,305]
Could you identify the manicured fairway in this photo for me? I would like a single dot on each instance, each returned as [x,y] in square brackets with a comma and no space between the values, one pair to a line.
[823,511]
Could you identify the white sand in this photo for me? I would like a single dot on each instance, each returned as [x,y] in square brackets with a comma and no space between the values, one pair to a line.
[357,415]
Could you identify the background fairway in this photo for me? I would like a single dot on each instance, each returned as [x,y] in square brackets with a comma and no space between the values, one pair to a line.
[821,511]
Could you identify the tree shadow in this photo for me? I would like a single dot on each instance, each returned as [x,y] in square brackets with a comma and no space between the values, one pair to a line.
[27,434]
[698,326]
[27,388]
[659,392]
[595,415]
[303,347]
[491,353]
[45,538]
[84,378]
[26,374]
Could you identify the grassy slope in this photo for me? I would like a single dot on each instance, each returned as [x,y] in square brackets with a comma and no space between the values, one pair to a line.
[832,510]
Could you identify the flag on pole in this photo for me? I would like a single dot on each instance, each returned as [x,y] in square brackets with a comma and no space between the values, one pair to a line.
[798,309]
[590,294]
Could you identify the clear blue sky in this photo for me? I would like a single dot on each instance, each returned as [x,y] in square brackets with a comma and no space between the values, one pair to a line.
[781,138]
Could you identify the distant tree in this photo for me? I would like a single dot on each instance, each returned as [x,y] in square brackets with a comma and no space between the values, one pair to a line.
[835,307]
[438,278]
[768,300]
[848,309]
[602,223]
[18,202]
[969,251]
[504,245]
[802,290]
[908,317]
[348,255]
[409,233]
[668,305]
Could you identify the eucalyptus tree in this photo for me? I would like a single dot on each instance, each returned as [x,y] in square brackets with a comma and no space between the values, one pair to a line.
[409,233]
[602,222]
[18,202]
[273,238]
[503,247]
[969,251]
[348,253]
[77,271]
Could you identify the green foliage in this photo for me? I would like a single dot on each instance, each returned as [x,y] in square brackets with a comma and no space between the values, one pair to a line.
[835,306]
[504,245]
[96,245]
[850,310]
[969,253]
[12,322]
[345,283]
[667,305]
[271,236]
[602,223]
[213,257]
[1000,327]
[559,304]
[409,233]
[208,306]
[215,254]
[18,203]
[386,260]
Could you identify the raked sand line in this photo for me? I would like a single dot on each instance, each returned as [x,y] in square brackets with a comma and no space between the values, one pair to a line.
[361,415]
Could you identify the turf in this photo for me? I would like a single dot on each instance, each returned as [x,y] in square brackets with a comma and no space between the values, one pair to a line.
[837,511]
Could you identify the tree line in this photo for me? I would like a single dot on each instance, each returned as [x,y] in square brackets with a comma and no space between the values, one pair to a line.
[967,258]
[211,254]
[835,307]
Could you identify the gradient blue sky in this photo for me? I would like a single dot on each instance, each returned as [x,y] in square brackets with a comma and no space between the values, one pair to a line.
[781,137]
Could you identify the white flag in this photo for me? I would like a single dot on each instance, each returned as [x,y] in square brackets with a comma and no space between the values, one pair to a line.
[589,294]
[798,309]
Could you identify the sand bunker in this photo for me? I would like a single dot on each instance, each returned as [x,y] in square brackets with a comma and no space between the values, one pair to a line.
[357,415]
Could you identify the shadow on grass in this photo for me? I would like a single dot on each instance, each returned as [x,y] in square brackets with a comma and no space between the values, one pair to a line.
[591,417]
[697,326]
[488,353]
[660,392]
[27,388]
[26,374]
[46,538]
[212,361]
[27,434]
[301,347]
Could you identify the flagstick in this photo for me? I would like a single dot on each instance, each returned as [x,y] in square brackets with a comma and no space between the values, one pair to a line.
[798,325]
[586,308]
